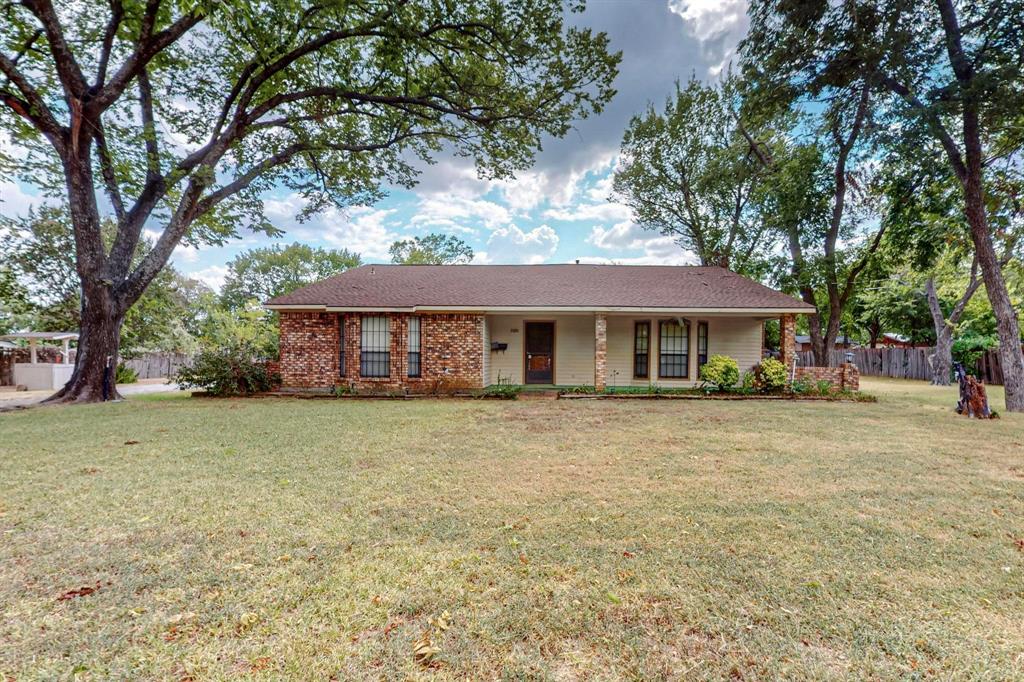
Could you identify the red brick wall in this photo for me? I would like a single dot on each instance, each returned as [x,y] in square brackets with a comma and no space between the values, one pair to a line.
[309,349]
[845,377]
[451,352]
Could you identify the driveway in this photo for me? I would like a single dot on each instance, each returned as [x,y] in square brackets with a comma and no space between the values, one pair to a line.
[10,398]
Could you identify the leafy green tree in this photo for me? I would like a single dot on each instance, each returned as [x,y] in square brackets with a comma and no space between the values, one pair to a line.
[432,249]
[183,113]
[13,300]
[687,173]
[947,71]
[40,252]
[820,197]
[264,273]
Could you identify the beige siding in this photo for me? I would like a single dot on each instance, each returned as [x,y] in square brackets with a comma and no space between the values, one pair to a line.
[507,364]
[737,337]
[574,348]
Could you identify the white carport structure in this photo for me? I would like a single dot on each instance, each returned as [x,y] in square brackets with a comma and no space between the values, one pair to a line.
[35,375]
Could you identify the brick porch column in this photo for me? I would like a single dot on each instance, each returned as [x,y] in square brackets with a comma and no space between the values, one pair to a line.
[600,351]
[787,340]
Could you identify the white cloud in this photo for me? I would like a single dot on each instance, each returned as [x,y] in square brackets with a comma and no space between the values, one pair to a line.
[604,213]
[212,276]
[719,25]
[513,245]
[453,212]
[361,229]
[15,201]
[627,236]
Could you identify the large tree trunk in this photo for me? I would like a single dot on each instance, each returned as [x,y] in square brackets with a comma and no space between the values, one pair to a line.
[98,346]
[1010,354]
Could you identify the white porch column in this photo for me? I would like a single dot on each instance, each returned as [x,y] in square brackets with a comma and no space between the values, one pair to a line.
[67,352]
[32,351]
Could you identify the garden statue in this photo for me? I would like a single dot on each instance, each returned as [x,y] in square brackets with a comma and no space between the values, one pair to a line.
[973,401]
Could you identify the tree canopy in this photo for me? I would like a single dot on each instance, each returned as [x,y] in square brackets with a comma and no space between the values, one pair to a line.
[432,249]
[180,115]
[687,173]
[263,273]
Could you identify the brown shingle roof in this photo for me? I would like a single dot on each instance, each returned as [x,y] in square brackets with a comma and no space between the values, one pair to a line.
[556,286]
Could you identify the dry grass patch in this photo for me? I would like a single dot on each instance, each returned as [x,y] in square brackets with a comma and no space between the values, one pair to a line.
[566,539]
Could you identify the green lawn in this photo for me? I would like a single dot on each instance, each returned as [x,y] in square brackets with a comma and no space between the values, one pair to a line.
[564,539]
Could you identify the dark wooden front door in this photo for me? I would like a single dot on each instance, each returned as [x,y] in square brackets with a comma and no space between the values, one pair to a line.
[540,352]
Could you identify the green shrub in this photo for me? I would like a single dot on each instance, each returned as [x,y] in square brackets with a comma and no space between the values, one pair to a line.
[125,374]
[748,381]
[504,389]
[235,370]
[824,386]
[770,376]
[800,387]
[720,371]
[967,350]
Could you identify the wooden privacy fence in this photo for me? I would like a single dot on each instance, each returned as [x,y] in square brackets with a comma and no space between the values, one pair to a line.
[902,363]
[156,365]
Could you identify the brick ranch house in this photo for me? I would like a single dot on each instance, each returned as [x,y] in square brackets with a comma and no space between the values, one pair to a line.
[421,327]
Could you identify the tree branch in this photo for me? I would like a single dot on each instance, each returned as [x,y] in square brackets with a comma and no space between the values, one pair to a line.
[70,73]
[145,50]
[116,14]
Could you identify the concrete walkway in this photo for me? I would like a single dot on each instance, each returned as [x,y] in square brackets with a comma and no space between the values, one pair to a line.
[10,398]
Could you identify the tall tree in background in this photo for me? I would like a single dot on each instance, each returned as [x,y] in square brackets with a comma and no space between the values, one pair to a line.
[819,194]
[183,113]
[432,249]
[39,251]
[263,273]
[949,69]
[687,173]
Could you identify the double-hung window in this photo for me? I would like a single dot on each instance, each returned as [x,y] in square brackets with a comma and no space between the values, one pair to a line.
[641,349]
[375,349]
[702,345]
[674,344]
[415,342]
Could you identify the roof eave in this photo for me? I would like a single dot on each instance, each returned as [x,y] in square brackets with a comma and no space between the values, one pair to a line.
[664,310]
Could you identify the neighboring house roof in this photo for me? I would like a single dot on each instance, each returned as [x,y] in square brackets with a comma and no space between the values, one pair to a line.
[896,337]
[844,339]
[490,287]
[45,336]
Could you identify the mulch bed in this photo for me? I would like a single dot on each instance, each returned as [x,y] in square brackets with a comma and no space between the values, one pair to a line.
[861,398]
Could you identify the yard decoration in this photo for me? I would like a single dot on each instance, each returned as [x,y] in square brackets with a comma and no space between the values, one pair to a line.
[973,400]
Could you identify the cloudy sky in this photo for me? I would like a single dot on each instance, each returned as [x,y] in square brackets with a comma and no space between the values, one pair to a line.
[556,212]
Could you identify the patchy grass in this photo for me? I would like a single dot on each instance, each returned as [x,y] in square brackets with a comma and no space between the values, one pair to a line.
[172,538]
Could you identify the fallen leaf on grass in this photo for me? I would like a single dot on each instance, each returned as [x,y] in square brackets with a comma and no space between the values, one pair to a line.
[1018,543]
[131,442]
[261,663]
[628,554]
[80,592]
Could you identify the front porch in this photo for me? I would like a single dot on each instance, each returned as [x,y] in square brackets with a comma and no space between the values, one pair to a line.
[609,350]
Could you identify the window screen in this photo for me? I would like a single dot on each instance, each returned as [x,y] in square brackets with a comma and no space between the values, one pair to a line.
[375,355]
[674,342]
[641,349]
[414,346]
